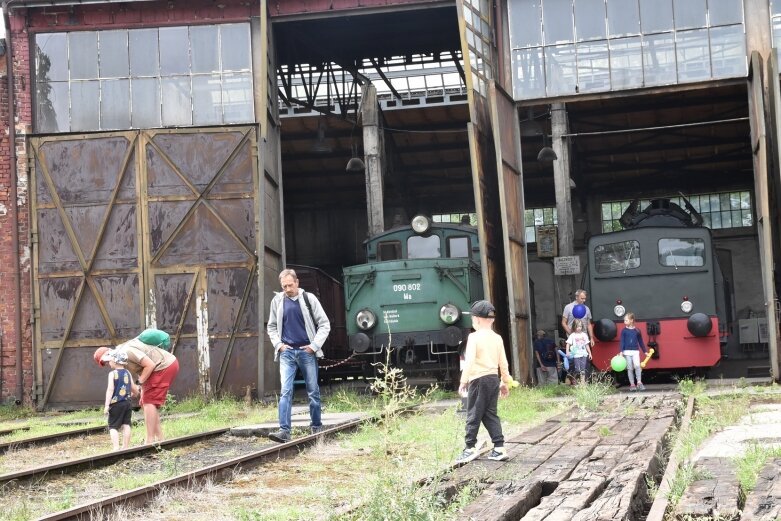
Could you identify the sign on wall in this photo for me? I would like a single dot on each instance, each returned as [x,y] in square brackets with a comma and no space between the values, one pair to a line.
[566,265]
[547,241]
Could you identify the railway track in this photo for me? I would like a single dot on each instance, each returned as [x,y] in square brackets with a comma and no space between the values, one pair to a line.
[211,456]
[106,459]
[48,439]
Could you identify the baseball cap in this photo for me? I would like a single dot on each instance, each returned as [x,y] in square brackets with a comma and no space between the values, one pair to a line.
[99,355]
[483,309]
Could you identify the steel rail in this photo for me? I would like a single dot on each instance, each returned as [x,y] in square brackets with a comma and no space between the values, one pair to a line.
[103,460]
[64,435]
[11,430]
[219,471]
[50,438]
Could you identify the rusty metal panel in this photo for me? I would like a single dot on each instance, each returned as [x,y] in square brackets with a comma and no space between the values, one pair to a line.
[201,220]
[187,381]
[87,275]
[242,365]
[146,228]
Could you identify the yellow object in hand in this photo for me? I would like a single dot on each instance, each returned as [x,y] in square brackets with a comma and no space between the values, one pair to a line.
[513,383]
[647,358]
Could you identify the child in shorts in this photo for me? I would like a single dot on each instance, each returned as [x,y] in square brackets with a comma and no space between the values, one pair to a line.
[118,407]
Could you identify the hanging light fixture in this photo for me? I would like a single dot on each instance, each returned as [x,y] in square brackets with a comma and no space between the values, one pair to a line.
[355,164]
[547,155]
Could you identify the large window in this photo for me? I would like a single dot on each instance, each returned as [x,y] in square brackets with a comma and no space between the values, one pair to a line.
[534,217]
[564,47]
[617,256]
[681,252]
[458,247]
[419,247]
[718,210]
[142,78]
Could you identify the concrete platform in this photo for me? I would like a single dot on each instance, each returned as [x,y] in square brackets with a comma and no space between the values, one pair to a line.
[762,425]
[300,420]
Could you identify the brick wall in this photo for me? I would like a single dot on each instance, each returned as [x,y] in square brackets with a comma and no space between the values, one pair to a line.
[15,213]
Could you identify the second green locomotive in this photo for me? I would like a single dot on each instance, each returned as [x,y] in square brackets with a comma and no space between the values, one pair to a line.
[411,299]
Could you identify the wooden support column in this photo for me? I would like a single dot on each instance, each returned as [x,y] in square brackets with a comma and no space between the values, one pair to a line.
[373,146]
[561,182]
[759,147]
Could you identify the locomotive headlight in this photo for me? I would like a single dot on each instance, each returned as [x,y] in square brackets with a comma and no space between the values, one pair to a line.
[687,306]
[619,310]
[420,224]
[449,314]
[365,319]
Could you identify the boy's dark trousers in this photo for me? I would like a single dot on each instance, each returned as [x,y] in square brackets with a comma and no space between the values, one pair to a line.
[481,407]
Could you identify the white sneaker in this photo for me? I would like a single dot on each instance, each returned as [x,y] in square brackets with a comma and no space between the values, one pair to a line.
[468,455]
[498,454]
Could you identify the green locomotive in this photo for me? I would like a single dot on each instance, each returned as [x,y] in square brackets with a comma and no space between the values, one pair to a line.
[411,299]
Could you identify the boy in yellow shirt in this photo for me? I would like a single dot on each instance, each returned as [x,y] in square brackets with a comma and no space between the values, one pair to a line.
[484,362]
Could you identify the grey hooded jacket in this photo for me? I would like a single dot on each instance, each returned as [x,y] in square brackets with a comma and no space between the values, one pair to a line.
[317,333]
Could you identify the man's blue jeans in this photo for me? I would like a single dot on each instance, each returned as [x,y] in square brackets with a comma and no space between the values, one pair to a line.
[289,361]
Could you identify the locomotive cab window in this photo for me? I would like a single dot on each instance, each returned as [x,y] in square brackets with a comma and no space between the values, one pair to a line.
[676,252]
[457,247]
[390,250]
[419,247]
[617,256]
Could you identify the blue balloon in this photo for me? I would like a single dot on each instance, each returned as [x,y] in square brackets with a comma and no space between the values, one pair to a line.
[579,311]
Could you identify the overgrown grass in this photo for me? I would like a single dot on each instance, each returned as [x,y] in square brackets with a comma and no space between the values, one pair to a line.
[46,425]
[750,464]
[689,387]
[212,414]
[590,395]
[712,415]
[15,412]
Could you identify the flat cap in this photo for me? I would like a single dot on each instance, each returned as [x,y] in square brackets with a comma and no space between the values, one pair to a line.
[483,309]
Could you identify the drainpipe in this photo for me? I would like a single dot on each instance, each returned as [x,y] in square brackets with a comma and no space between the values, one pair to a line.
[14,204]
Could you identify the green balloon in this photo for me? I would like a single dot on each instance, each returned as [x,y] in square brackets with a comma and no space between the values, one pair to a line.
[618,363]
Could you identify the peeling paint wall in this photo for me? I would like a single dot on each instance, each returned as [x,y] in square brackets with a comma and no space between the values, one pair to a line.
[202,325]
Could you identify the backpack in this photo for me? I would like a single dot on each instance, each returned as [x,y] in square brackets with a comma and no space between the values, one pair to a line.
[309,307]
[156,337]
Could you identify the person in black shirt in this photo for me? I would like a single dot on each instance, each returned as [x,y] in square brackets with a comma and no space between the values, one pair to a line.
[547,359]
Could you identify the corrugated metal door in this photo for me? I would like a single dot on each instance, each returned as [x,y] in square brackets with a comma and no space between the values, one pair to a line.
[136,229]
[199,190]
[88,278]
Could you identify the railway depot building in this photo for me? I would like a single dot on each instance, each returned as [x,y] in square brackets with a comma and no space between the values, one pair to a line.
[163,160]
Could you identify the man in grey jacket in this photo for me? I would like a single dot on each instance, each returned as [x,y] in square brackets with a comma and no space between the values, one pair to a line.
[298,328]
